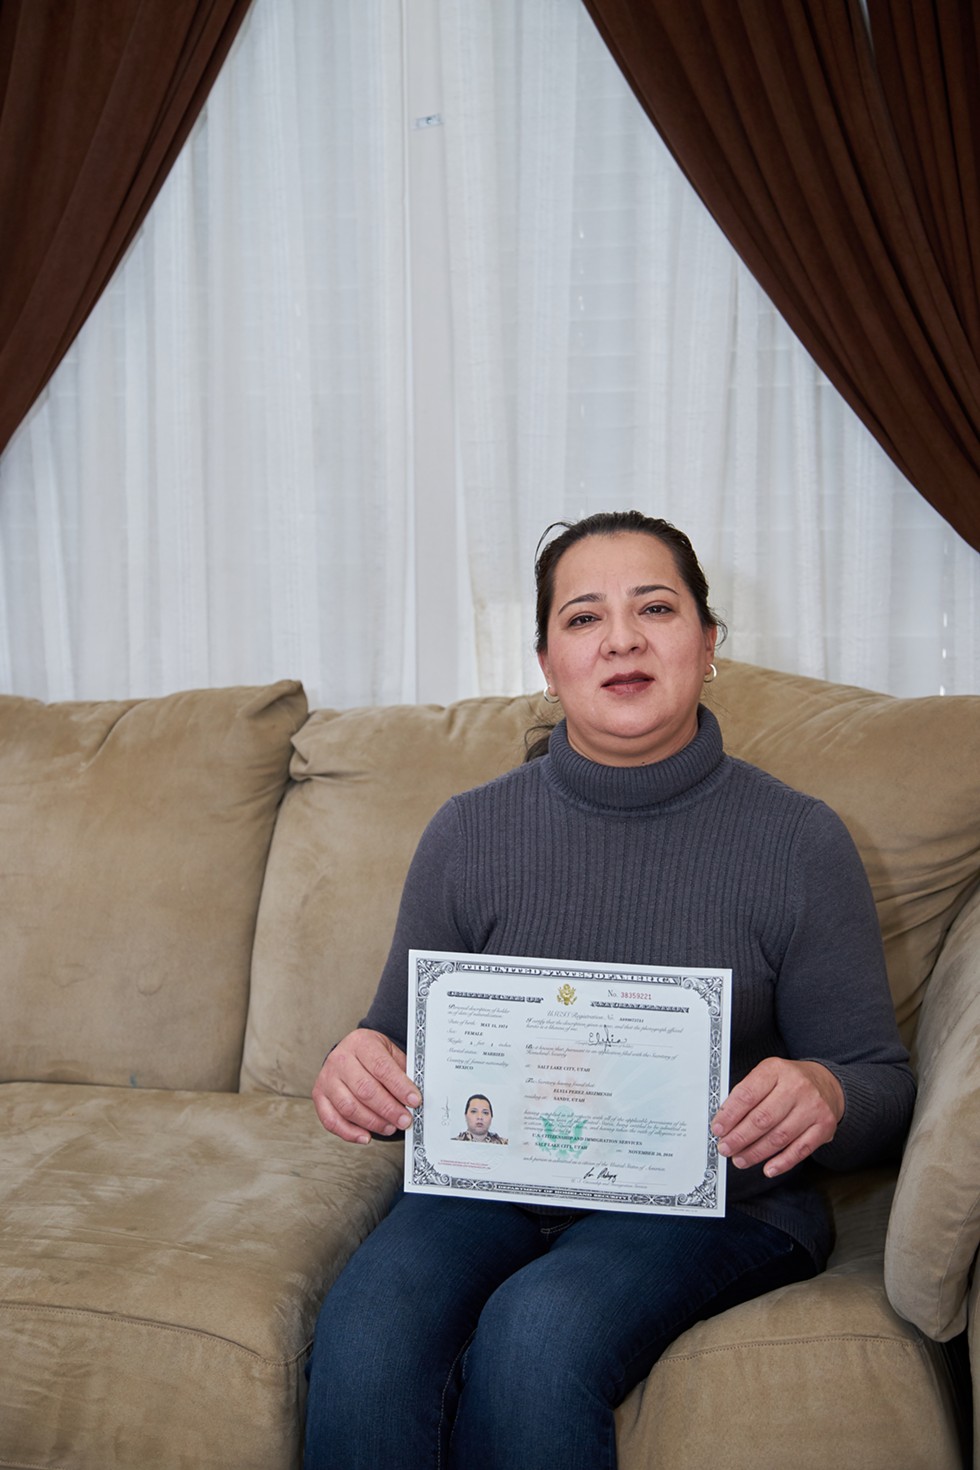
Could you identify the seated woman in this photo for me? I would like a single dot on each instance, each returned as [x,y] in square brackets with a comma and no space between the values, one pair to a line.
[481,1333]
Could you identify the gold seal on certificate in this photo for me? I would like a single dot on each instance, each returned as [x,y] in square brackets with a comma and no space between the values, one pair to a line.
[597,1083]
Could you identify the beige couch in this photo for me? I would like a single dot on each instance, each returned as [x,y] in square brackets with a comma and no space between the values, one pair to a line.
[196,895]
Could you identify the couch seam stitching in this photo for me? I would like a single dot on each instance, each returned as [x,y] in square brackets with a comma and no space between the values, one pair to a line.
[123,1319]
[802,1340]
[968,1220]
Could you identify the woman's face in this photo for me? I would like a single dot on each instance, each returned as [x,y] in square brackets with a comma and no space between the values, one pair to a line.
[478,1116]
[626,654]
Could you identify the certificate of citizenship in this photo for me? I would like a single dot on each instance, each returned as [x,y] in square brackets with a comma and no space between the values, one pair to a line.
[595,1085]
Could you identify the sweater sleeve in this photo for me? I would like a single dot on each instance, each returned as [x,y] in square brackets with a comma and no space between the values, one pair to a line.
[427,919]
[832,998]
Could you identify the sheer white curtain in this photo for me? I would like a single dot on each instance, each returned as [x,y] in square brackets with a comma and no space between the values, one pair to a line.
[611,351]
[216,487]
[352,367]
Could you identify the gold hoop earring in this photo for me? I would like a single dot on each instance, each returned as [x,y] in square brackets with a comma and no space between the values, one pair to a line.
[711,675]
[549,697]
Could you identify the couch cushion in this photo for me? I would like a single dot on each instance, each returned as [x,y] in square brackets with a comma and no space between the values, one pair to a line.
[934,1230]
[134,838]
[819,1374]
[366,783]
[903,773]
[162,1260]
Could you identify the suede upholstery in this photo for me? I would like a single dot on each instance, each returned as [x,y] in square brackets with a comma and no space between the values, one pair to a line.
[905,777]
[186,929]
[161,1258]
[134,838]
[935,1225]
[371,779]
[824,1373]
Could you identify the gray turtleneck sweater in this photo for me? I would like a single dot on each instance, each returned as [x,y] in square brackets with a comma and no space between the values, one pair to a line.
[697,860]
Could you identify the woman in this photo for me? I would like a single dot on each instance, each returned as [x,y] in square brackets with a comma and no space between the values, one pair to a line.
[479,1116]
[635,839]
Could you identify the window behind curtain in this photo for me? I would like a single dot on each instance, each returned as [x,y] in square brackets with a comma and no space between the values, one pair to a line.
[222,483]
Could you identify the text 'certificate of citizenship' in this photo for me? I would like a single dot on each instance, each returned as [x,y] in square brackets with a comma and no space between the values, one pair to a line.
[579,1085]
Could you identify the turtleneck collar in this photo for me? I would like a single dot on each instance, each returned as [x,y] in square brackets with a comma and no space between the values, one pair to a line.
[625,787]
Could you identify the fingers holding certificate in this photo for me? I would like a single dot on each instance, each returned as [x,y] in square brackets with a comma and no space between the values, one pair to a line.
[597,1083]
[362,1088]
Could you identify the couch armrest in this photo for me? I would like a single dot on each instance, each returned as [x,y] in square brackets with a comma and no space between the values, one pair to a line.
[934,1229]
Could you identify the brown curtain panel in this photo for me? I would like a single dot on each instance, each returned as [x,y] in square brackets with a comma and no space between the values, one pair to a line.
[96,100]
[843,168]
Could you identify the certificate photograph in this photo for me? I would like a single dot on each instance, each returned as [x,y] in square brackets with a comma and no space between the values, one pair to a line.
[574,1084]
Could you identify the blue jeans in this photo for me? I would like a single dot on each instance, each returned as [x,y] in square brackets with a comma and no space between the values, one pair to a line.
[472,1333]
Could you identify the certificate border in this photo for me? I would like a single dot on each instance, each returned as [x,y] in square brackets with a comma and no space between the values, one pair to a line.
[706,1197]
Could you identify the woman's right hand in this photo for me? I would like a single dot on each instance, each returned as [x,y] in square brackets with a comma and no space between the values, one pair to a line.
[363,1088]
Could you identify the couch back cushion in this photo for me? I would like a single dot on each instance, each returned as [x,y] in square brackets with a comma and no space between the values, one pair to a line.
[903,774]
[365,783]
[134,836]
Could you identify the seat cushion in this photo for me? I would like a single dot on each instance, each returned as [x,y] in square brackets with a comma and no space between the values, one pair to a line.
[162,1260]
[822,1373]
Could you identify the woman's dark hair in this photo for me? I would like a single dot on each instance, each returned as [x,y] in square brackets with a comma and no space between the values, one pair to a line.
[609,523]
[482,1098]
[615,523]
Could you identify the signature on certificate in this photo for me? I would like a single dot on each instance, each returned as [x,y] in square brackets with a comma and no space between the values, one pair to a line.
[605,1039]
[600,1172]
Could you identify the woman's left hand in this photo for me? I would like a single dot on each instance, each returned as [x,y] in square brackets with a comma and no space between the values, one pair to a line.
[780,1112]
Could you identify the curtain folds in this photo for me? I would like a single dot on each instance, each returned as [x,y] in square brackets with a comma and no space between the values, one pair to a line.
[611,349]
[95,104]
[215,486]
[232,475]
[843,167]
